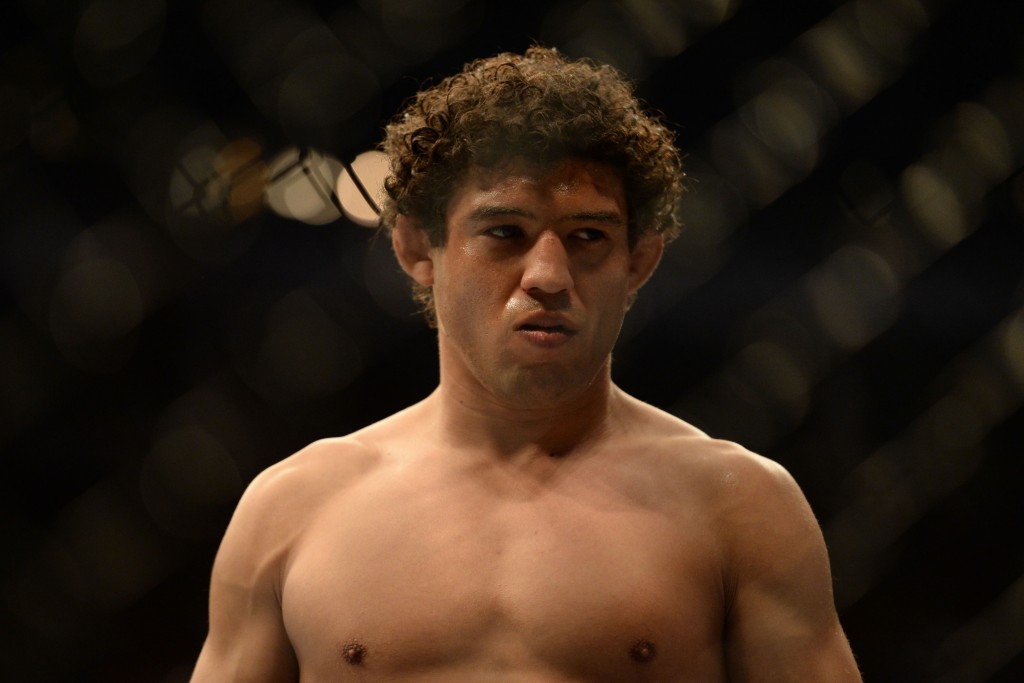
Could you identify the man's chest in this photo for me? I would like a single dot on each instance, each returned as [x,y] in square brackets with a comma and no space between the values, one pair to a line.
[453,580]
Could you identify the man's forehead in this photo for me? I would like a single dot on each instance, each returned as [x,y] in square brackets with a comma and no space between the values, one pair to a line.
[562,177]
[560,168]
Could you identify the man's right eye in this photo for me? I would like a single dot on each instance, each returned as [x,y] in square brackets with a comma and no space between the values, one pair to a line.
[504,231]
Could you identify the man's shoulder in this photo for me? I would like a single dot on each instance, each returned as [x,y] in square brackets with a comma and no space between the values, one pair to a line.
[327,467]
[718,465]
[671,435]
[296,484]
[282,501]
[756,503]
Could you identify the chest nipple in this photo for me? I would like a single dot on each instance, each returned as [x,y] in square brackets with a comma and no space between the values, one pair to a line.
[642,651]
[354,652]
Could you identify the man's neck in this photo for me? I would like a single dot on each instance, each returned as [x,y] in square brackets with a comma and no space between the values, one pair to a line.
[471,416]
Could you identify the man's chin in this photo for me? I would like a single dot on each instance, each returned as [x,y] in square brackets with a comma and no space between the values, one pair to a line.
[543,386]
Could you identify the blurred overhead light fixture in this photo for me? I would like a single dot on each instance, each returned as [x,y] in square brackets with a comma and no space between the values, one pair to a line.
[315,188]
[361,188]
[301,186]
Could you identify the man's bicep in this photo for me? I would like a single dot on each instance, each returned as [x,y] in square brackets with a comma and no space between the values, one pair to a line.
[782,623]
[774,638]
[246,639]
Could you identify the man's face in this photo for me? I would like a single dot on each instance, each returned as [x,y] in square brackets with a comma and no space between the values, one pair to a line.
[533,282]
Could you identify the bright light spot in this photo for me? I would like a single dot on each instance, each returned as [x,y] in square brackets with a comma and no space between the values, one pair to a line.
[788,123]
[1012,344]
[890,26]
[241,177]
[302,186]
[846,68]
[932,201]
[985,139]
[854,295]
[197,200]
[371,168]
[188,187]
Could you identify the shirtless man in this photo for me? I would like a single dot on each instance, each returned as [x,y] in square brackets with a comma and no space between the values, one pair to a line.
[528,521]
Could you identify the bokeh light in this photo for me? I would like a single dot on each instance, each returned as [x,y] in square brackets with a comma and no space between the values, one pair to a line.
[302,186]
[370,170]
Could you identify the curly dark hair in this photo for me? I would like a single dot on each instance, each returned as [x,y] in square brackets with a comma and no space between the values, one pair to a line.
[538,107]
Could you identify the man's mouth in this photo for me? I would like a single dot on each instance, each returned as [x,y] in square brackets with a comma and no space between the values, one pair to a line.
[559,329]
[547,334]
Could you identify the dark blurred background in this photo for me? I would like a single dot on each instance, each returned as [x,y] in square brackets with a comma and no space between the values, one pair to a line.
[183,305]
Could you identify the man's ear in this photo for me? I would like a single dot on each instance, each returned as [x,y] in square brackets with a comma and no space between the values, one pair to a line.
[644,258]
[412,247]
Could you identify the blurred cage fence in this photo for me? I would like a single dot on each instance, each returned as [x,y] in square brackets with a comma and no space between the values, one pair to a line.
[189,296]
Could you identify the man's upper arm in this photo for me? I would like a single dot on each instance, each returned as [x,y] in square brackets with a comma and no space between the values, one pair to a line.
[246,639]
[782,623]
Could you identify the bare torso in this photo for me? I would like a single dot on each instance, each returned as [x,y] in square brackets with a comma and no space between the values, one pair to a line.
[410,561]
[528,522]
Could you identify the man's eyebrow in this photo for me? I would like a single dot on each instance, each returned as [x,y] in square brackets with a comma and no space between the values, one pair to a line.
[492,211]
[607,217]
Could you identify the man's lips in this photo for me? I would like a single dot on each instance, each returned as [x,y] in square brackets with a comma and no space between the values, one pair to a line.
[546,329]
[547,323]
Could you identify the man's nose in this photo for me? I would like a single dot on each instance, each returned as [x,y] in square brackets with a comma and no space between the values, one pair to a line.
[546,268]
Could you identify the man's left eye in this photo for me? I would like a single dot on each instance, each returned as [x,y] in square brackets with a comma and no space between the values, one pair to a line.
[590,234]
[504,231]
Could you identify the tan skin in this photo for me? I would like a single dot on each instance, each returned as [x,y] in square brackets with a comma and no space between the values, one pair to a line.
[528,521]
